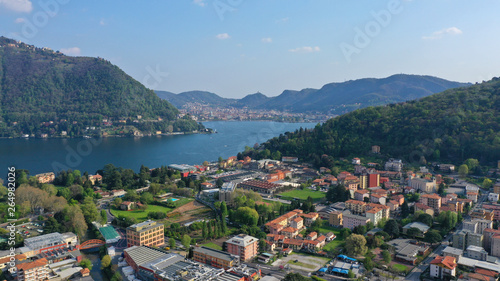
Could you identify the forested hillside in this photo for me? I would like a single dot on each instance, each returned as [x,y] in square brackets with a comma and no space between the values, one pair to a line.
[46,92]
[454,125]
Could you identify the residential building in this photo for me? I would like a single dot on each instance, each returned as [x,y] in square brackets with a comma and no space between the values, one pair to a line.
[336,219]
[395,165]
[423,185]
[361,194]
[375,214]
[424,208]
[226,192]
[496,188]
[460,239]
[244,246]
[453,252]
[215,258]
[477,253]
[33,271]
[493,197]
[312,236]
[290,232]
[447,168]
[385,209]
[431,200]
[147,233]
[470,226]
[356,161]
[351,220]
[474,239]
[442,267]
[309,218]
[356,207]
[488,235]
[370,179]
[297,223]
[472,196]
[45,177]
[375,149]
[495,245]
[378,198]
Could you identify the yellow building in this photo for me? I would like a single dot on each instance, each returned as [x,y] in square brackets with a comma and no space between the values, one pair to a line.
[148,233]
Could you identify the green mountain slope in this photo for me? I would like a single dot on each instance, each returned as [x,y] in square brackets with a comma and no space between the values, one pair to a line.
[451,126]
[46,92]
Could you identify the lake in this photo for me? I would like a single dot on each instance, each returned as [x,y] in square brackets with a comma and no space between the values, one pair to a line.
[53,155]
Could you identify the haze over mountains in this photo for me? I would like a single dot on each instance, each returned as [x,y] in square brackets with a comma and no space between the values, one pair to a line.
[332,98]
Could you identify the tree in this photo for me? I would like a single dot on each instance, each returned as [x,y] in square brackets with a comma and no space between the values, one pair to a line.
[413,232]
[223,209]
[463,170]
[104,217]
[487,183]
[116,277]
[344,233]
[360,229]
[171,243]
[117,202]
[368,262]
[105,261]
[472,164]
[295,277]
[386,256]
[246,216]
[147,198]
[186,241]
[219,182]
[405,210]
[355,244]
[350,274]
[425,218]
[89,210]
[86,263]
[432,236]
[392,227]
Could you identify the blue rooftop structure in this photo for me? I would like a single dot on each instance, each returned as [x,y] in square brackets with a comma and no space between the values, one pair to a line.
[324,269]
[344,257]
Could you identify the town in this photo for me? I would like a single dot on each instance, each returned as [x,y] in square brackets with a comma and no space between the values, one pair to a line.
[271,219]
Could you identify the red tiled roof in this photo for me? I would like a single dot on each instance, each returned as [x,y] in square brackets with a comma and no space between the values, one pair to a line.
[34,264]
[448,262]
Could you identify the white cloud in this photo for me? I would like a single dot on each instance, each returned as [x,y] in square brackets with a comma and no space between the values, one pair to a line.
[73,51]
[200,3]
[222,36]
[440,33]
[19,20]
[102,22]
[283,20]
[267,40]
[305,49]
[22,6]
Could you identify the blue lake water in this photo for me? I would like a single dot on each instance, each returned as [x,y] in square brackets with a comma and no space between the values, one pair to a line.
[52,155]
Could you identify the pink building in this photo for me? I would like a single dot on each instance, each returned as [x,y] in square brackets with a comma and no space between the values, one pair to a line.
[244,246]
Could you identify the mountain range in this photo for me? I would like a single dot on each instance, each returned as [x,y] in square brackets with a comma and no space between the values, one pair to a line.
[332,98]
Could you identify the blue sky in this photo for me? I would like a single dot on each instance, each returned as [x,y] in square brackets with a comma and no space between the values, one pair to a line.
[239,47]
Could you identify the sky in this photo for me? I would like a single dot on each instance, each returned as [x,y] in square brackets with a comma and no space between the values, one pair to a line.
[239,47]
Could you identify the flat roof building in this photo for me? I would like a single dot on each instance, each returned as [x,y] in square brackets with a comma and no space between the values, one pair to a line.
[148,233]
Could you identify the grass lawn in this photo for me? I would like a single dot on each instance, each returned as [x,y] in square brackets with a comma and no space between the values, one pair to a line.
[213,246]
[336,242]
[303,194]
[400,267]
[138,214]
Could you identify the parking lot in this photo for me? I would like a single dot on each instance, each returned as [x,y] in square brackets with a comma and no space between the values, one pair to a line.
[301,261]
[29,229]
